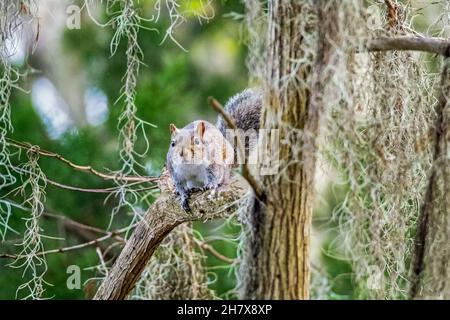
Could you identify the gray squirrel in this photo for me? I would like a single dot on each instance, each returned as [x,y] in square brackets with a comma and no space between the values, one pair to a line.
[200,157]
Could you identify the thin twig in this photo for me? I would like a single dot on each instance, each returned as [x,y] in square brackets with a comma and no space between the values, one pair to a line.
[80,225]
[88,169]
[95,190]
[214,252]
[67,221]
[65,249]
[95,242]
[102,261]
[245,170]
[89,190]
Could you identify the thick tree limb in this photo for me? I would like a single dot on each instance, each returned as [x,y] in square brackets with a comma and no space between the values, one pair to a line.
[161,218]
[432,45]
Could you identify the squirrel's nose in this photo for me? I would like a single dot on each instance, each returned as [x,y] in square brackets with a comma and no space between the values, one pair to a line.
[181,153]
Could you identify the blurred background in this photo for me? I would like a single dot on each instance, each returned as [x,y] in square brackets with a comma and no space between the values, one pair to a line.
[73,83]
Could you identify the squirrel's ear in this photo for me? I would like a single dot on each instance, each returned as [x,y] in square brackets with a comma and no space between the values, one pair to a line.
[173,130]
[201,129]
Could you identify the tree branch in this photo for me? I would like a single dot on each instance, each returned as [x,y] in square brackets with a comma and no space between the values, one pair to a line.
[88,169]
[94,242]
[206,246]
[433,45]
[70,223]
[95,190]
[161,218]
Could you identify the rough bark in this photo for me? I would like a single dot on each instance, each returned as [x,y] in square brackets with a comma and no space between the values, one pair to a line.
[277,260]
[430,267]
[161,218]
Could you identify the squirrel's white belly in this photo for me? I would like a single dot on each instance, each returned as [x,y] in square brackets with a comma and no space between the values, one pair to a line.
[193,175]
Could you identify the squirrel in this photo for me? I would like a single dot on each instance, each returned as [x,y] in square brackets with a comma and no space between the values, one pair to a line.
[200,157]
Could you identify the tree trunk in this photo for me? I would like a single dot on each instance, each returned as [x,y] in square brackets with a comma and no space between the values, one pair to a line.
[431,268]
[276,264]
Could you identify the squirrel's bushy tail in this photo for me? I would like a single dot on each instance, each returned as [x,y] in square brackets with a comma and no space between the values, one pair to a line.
[245,109]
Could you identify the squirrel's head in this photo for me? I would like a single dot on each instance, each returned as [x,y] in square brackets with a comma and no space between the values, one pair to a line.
[188,145]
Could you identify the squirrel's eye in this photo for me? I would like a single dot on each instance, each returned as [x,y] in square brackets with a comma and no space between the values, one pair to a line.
[172,144]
